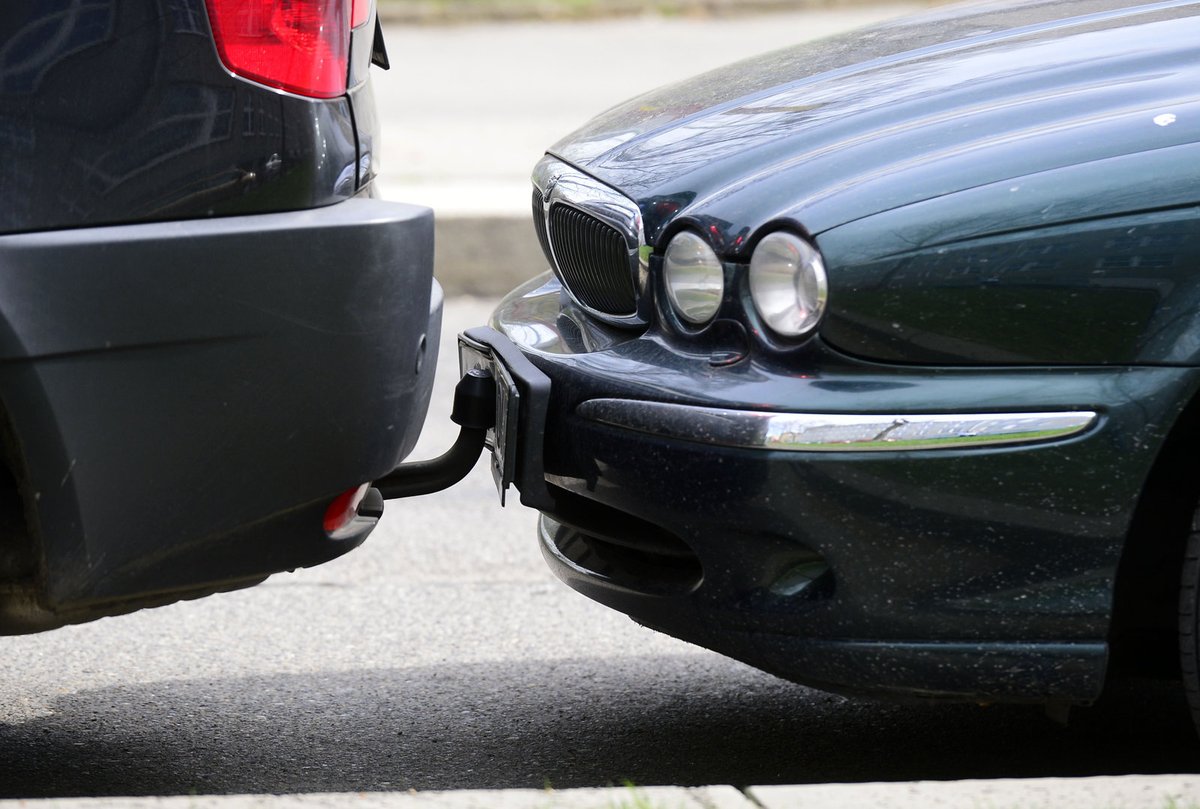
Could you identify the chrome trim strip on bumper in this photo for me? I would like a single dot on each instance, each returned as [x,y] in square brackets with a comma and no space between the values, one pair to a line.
[823,432]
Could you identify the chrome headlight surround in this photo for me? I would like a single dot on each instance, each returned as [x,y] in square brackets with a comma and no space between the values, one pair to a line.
[694,278]
[788,284]
[562,184]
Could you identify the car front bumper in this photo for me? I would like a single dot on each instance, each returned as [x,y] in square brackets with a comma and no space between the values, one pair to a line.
[971,561]
[185,399]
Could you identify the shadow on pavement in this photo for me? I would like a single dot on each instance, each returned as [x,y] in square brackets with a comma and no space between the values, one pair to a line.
[561,723]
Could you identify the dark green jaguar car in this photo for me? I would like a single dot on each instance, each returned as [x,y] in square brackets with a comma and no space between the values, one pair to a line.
[875,363]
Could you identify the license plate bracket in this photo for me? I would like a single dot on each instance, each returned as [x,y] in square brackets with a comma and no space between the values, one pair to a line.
[522,401]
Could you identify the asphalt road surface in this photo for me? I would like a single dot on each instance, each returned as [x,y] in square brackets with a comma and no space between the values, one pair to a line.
[443,655]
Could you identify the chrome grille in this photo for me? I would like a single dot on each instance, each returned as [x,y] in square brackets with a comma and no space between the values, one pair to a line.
[539,223]
[592,235]
[593,260]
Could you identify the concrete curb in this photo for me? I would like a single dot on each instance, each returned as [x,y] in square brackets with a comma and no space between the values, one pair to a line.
[1105,792]
[460,12]
[485,255]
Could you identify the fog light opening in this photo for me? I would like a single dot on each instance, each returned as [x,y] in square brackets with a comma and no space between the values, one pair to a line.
[800,578]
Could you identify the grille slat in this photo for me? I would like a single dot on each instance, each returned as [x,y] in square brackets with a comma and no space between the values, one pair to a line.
[539,223]
[593,260]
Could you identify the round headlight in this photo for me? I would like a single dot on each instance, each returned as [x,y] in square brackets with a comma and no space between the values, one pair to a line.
[694,278]
[787,284]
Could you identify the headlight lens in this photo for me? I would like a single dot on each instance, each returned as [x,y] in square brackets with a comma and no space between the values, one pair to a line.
[694,278]
[788,284]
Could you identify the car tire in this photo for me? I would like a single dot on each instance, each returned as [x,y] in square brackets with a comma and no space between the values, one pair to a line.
[1189,620]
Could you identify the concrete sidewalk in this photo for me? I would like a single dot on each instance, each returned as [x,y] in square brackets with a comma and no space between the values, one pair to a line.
[466,12]
[467,110]
[1128,792]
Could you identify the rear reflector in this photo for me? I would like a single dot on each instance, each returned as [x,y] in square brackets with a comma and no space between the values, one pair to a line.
[344,509]
[301,46]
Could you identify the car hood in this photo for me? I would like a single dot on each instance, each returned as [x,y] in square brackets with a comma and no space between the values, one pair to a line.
[830,132]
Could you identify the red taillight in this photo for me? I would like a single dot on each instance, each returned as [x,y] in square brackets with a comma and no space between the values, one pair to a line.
[344,509]
[297,45]
[359,12]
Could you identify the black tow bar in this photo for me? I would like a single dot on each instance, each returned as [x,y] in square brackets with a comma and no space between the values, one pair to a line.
[475,412]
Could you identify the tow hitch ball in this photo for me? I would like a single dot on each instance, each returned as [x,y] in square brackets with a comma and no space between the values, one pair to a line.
[475,413]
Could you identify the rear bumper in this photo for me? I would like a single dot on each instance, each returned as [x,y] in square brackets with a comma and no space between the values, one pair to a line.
[185,398]
[971,571]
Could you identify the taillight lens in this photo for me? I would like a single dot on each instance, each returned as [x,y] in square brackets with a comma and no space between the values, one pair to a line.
[301,46]
[344,509]
[360,12]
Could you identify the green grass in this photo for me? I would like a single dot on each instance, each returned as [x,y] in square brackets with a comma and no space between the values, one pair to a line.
[1171,803]
[635,799]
